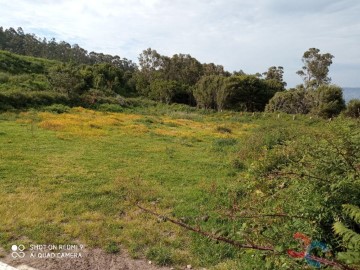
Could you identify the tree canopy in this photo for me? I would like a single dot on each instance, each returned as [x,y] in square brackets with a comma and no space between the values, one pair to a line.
[316,68]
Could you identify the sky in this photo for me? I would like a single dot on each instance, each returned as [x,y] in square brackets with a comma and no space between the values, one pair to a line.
[248,35]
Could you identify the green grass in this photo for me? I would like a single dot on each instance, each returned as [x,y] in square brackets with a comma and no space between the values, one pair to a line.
[77,176]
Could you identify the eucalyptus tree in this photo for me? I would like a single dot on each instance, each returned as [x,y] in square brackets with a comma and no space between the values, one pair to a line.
[316,68]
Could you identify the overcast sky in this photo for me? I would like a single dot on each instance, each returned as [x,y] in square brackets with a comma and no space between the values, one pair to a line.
[251,35]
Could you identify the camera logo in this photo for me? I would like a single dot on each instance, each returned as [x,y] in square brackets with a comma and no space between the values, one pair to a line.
[18,251]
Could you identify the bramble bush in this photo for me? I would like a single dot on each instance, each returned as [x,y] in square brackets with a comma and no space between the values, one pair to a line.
[315,173]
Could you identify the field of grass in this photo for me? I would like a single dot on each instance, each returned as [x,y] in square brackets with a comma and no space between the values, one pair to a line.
[77,176]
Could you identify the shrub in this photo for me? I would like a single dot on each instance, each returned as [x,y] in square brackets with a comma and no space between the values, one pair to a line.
[292,102]
[112,247]
[353,108]
[21,99]
[57,108]
[140,102]
[350,238]
[106,107]
[326,101]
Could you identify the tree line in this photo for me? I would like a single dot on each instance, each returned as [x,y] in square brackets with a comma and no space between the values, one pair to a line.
[16,41]
[97,77]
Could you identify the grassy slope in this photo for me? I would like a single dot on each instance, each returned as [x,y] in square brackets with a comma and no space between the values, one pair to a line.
[58,182]
[15,63]
[77,176]
[24,73]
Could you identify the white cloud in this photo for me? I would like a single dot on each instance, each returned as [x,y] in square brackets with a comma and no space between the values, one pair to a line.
[248,35]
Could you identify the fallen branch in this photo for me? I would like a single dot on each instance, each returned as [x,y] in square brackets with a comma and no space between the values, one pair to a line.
[207,234]
[238,244]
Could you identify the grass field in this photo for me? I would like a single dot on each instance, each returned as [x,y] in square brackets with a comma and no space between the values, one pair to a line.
[76,177]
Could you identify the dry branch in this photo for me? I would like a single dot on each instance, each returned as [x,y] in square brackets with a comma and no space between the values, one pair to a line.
[236,243]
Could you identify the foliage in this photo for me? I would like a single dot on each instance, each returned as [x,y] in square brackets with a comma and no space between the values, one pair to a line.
[275,73]
[292,102]
[211,92]
[110,108]
[316,68]
[164,91]
[112,247]
[267,179]
[326,101]
[16,41]
[353,108]
[20,99]
[350,238]
[249,93]
[242,93]
[182,69]
[57,108]
[66,79]
[15,64]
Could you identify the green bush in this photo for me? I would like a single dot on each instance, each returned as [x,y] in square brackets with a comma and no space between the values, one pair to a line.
[292,102]
[110,108]
[353,108]
[57,108]
[326,101]
[350,238]
[21,99]
[140,102]
[112,247]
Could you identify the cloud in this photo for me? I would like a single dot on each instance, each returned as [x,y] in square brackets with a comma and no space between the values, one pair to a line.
[239,34]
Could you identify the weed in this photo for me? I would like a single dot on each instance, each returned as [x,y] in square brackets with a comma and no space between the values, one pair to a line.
[159,254]
[112,247]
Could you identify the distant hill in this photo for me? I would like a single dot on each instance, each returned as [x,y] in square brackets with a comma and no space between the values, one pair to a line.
[351,93]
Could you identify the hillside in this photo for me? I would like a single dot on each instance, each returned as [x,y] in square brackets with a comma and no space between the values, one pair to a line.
[238,176]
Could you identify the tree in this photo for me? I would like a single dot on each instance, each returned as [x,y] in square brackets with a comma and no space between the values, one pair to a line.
[212,69]
[211,92]
[327,101]
[275,73]
[204,92]
[293,101]
[150,60]
[316,68]
[66,79]
[164,91]
[249,93]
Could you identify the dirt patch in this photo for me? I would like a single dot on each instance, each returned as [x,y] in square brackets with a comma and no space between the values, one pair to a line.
[91,259]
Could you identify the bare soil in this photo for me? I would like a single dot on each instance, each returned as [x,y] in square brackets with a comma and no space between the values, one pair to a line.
[92,259]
